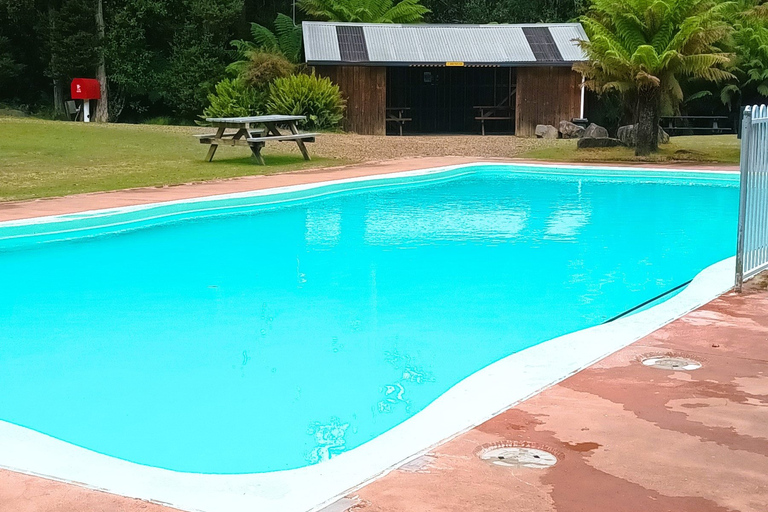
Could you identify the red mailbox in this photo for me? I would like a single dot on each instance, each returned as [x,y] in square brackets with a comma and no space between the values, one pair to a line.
[86,89]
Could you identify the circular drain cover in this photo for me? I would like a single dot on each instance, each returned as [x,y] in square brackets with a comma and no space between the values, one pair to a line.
[518,456]
[672,363]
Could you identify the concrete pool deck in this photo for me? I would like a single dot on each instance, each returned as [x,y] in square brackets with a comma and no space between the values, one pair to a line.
[628,437]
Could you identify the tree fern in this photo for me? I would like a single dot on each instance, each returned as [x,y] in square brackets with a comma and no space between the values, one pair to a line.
[643,47]
[264,38]
[285,40]
[289,38]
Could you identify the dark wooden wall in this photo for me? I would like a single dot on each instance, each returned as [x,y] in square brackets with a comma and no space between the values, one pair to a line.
[546,95]
[365,89]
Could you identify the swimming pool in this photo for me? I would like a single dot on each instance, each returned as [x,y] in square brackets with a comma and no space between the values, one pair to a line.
[260,333]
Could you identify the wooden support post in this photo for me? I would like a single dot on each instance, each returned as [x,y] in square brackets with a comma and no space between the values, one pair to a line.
[272,128]
[214,143]
[299,142]
[256,150]
[211,152]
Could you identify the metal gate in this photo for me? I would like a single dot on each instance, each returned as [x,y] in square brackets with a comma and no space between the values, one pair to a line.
[752,245]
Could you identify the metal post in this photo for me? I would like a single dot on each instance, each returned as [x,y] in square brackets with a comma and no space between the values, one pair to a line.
[581,108]
[746,132]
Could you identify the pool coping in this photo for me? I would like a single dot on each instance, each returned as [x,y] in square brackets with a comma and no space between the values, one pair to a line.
[463,407]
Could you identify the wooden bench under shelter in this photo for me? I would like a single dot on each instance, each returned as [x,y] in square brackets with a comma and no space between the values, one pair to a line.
[246,134]
[704,125]
[397,115]
[502,111]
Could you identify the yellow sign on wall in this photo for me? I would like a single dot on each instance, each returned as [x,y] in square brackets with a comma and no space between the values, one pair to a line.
[454,64]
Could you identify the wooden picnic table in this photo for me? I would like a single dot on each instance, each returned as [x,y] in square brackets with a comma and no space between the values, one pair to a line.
[398,115]
[255,132]
[492,113]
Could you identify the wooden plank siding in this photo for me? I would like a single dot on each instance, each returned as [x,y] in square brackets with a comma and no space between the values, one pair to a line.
[365,89]
[546,95]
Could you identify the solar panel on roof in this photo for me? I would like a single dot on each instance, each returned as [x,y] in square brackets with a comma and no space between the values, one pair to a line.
[542,44]
[352,47]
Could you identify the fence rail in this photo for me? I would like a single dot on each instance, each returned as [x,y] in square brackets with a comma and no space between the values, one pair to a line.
[752,245]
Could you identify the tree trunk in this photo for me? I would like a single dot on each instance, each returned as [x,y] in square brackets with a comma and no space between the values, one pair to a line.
[102,107]
[58,100]
[647,129]
[58,88]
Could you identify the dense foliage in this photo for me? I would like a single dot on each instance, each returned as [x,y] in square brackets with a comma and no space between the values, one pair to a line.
[365,11]
[166,57]
[750,43]
[307,95]
[503,11]
[641,49]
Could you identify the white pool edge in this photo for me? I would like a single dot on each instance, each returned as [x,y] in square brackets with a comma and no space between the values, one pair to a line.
[471,402]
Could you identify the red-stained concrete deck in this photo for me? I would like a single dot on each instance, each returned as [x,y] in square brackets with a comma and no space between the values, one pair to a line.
[630,438]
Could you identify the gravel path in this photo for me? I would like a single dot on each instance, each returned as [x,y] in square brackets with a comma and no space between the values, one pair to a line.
[371,147]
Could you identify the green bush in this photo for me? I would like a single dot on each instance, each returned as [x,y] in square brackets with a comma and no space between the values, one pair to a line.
[234,98]
[262,68]
[307,95]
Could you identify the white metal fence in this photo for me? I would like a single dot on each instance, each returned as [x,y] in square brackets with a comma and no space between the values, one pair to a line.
[752,248]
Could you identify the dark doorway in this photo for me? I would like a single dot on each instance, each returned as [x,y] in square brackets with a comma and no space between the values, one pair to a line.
[448,99]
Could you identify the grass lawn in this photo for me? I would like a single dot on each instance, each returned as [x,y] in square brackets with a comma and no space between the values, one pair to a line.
[53,158]
[50,158]
[723,149]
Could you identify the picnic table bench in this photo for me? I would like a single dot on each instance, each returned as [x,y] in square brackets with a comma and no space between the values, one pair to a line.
[492,113]
[255,132]
[696,124]
[398,115]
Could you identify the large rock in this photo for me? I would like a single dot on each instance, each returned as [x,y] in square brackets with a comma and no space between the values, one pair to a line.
[546,131]
[570,130]
[594,131]
[598,142]
[628,135]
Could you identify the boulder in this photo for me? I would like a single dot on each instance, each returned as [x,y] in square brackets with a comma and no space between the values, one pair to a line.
[627,135]
[546,131]
[598,142]
[570,130]
[594,131]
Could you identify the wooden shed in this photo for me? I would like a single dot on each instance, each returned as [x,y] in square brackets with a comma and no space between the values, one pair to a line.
[450,78]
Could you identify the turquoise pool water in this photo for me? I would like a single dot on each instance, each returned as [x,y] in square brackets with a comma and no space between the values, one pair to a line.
[260,334]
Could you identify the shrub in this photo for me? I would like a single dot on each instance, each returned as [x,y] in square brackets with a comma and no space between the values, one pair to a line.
[307,95]
[234,98]
[262,68]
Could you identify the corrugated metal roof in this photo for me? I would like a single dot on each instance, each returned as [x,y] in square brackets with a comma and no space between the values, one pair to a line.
[394,44]
[324,43]
[564,36]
